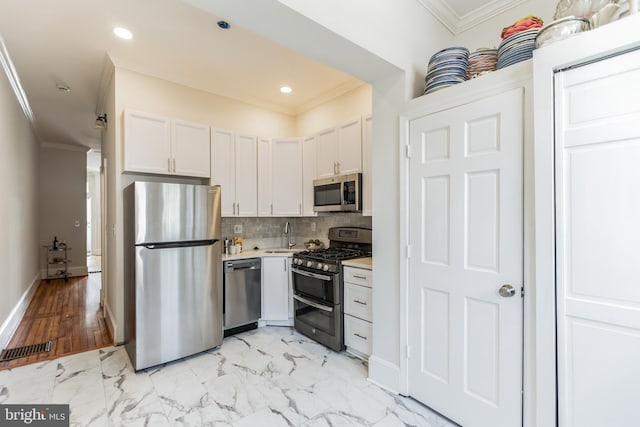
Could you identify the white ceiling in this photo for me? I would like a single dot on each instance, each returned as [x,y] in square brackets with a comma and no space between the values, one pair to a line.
[66,42]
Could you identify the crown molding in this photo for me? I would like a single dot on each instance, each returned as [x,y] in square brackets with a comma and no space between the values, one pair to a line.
[14,81]
[457,24]
[347,86]
[67,147]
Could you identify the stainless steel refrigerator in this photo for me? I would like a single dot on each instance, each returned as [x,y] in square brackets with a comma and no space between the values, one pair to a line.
[173,274]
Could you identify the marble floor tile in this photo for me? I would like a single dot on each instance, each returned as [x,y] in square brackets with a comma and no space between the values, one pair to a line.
[271,376]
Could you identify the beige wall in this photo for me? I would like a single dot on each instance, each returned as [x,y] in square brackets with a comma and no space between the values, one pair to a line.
[351,105]
[145,93]
[63,201]
[19,251]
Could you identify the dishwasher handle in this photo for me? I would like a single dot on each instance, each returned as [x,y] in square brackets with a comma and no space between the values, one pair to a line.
[242,264]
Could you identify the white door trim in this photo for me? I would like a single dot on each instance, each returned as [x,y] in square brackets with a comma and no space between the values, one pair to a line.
[516,76]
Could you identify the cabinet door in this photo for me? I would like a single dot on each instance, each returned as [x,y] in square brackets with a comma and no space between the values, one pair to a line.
[308,174]
[367,187]
[327,153]
[275,288]
[190,149]
[147,143]
[246,175]
[265,208]
[286,156]
[223,168]
[350,147]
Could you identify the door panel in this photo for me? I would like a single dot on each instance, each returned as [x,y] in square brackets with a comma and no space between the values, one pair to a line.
[466,200]
[597,143]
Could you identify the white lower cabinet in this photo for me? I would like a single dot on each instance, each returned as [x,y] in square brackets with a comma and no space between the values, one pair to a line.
[276,291]
[358,326]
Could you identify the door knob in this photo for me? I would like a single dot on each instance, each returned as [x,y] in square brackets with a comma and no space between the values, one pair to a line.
[506,291]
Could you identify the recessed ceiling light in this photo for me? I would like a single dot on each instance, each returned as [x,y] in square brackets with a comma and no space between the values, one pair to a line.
[224,25]
[286,89]
[63,88]
[123,33]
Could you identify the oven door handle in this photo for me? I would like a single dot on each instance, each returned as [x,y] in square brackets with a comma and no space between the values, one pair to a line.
[313,304]
[309,274]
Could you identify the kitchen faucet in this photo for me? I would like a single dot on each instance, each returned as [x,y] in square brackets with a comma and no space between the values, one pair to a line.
[288,231]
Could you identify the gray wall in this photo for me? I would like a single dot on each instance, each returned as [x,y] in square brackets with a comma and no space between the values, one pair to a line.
[63,200]
[19,250]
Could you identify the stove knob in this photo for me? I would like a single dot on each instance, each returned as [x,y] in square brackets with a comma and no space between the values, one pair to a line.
[326,267]
[319,265]
[297,261]
[309,263]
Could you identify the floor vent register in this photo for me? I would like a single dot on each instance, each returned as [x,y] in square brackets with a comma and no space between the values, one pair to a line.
[27,350]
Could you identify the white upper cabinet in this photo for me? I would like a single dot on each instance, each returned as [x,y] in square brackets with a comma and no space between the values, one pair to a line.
[286,161]
[190,149]
[327,153]
[265,180]
[367,187]
[308,174]
[350,147]
[160,145]
[339,150]
[234,165]
[147,143]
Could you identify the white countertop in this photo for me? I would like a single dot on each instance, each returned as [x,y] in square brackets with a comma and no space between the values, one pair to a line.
[267,252]
[359,263]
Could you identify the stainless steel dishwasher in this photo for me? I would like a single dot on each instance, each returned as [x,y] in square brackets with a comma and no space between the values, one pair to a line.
[242,295]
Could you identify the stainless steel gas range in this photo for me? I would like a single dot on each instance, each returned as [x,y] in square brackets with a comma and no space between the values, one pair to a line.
[318,285]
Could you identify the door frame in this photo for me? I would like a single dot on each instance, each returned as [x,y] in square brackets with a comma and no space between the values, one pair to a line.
[589,46]
[516,76]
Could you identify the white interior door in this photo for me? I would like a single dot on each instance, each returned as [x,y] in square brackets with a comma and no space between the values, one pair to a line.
[598,231]
[466,208]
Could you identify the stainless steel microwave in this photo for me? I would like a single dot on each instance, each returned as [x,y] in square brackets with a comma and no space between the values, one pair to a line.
[340,193]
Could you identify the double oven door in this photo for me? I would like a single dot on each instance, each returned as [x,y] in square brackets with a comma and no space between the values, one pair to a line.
[317,306]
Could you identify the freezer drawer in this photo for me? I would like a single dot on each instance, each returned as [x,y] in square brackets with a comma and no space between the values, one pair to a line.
[178,303]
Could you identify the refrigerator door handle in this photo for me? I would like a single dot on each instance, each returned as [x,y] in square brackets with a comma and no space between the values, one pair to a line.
[186,244]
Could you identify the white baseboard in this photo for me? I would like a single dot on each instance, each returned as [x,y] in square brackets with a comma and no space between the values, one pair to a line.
[73,272]
[11,323]
[384,374]
[109,320]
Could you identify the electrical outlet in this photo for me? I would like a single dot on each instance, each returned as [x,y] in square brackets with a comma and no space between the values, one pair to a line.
[76,223]
[237,228]
[313,226]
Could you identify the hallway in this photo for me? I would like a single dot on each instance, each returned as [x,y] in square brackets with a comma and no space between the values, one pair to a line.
[68,314]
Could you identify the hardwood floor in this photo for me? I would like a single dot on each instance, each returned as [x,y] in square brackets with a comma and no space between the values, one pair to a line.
[68,313]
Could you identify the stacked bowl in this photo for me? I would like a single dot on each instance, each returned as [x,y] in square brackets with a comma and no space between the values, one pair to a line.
[517,47]
[481,62]
[447,67]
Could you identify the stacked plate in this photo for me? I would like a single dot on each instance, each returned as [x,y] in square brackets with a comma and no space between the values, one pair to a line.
[516,48]
[447,67]
[481,62]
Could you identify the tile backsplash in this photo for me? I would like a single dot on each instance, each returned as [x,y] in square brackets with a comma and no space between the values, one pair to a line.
[268,232]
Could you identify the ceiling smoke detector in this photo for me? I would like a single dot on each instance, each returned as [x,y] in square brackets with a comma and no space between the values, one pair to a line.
[223,25]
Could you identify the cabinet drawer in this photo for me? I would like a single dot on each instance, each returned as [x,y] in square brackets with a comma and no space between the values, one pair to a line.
[357,301]
[357,334]
[358,276]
